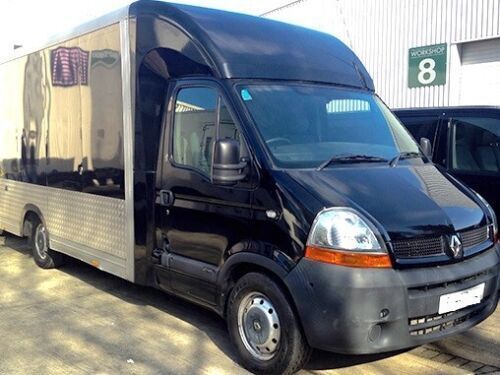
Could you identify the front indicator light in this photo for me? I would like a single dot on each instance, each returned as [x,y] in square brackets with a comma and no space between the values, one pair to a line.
[348,258]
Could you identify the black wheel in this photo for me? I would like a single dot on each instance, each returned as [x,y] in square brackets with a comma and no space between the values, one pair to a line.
[264,328]
[39,241]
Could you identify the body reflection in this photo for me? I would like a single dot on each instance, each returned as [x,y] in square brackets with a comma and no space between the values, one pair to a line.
[70,134]
[35,109]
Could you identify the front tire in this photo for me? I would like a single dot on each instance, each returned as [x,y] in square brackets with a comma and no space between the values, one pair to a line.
[264,328]
[39,242]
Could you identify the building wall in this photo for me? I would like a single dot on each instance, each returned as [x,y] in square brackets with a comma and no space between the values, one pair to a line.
[381,32]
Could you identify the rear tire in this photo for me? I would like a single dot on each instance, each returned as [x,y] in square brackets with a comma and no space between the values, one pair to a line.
[264,328]
[39,242]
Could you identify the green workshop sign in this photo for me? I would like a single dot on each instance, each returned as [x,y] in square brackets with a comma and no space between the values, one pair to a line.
[427,66]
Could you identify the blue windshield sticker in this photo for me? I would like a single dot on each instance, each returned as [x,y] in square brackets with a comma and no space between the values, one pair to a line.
[245,95]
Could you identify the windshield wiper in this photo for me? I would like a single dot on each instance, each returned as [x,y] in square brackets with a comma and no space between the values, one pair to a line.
[351,158]
[404,155]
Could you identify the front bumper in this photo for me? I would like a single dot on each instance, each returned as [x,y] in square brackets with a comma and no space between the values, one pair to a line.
[362,311]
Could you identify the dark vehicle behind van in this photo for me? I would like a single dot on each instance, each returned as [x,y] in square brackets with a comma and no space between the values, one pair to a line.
[465,141]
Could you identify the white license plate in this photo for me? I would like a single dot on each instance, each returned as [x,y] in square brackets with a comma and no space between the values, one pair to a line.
[463,298]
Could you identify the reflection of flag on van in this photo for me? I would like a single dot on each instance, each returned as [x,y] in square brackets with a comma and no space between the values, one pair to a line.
[69,66]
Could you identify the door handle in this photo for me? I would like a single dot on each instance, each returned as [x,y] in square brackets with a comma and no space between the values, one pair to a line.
[167,198]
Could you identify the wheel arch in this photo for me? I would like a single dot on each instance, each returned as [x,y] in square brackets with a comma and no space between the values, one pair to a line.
[28,211]
[243,263]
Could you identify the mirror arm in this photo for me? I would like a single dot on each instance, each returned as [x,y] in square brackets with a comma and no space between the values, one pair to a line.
[231,167]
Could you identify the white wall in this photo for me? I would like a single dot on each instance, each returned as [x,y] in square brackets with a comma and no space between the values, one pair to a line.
[382,31]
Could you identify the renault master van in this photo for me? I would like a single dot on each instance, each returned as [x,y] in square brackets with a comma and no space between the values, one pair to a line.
[250,167]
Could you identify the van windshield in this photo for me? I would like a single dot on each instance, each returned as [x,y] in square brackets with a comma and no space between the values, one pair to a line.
[307,126]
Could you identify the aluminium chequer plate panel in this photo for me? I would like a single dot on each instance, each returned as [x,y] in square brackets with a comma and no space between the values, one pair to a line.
[94,221]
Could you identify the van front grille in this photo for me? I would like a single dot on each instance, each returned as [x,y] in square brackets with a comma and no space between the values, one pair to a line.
[473,237]
[419,247]
[435,246]
[439,322]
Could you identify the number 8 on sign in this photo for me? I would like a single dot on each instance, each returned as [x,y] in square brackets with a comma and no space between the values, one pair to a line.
[427,74]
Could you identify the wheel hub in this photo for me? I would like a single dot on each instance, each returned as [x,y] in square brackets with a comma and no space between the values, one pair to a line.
[41,241]
[256,326]
[259,326]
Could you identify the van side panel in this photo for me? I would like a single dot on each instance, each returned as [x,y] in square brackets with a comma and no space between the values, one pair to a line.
[62,132]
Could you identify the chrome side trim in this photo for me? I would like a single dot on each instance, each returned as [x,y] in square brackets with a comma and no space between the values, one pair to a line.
[104,262]
[128,144]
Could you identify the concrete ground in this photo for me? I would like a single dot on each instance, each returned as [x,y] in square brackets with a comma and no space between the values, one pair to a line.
[78,320]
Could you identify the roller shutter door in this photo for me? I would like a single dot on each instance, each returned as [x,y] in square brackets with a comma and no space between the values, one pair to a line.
[480,73]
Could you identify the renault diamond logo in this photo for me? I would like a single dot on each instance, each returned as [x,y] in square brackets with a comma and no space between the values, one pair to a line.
[456,247]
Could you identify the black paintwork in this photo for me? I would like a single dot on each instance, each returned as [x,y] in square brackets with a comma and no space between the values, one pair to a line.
[240,46]
[382,192]
[486,184]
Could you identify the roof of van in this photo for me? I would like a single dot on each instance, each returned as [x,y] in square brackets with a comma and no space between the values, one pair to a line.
[243,46]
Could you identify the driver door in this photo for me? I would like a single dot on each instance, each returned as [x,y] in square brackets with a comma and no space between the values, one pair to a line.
[199,221]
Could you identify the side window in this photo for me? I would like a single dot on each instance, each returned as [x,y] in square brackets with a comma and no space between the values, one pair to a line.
[195,127]
[475,144]
[197,111]
[421,127]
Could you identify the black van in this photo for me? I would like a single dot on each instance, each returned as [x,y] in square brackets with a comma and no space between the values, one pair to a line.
[465,140]
[248,166]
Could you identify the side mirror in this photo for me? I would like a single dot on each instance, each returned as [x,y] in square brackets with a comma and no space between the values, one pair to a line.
[426,146]
[228,168]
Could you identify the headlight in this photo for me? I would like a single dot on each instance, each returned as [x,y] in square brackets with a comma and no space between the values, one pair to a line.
[492,214]
[342,236]
[343,229]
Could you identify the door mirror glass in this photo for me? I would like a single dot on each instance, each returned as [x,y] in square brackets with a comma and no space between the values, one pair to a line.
[426,146]
[228,167]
